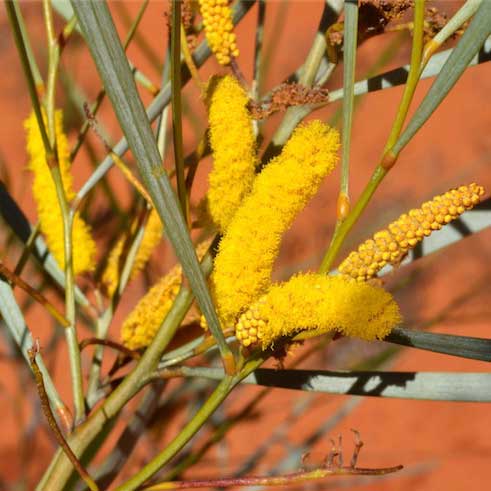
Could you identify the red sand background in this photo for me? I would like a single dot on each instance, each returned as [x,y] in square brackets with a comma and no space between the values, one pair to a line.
[442,445]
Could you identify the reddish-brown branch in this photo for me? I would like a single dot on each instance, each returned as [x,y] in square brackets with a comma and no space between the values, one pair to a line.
[18,281]
[284,480]
[38,376]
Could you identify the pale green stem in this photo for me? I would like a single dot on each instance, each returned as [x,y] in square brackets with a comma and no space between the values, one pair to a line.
[350,45]
[386,162]
[294,115]
[200,418]
[413,76]
[104,321]
[60,469]
[38,80]
[31,84]
[67,217]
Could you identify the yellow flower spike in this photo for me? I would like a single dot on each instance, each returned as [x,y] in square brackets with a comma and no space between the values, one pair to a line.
[151,238]
[243,265]
[217,19]
[44,191]
[314,304]
[234,150]
[142,324]
[390,245]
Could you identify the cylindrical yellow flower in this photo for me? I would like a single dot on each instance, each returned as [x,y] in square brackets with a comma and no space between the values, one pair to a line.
[389,246]
[234,150]
[152,235]
[44,191]
[219,29]
[243,265]
[142,324]
[315,304]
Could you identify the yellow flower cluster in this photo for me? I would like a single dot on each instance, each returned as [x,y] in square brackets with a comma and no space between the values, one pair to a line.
[318,304]
[44,191]
[233,144]
[390,245]
[142,324]
[151,238]
[243,265]
[217,19]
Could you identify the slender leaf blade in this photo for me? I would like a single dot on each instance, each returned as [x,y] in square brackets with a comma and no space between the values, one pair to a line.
[470,44]
[100,33]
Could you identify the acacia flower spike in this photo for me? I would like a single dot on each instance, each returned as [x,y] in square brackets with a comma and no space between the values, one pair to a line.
[142,324]
[389,246]
[316,304]
[247,251]
[44,191]
[217,19]
[151,238]
[234,149]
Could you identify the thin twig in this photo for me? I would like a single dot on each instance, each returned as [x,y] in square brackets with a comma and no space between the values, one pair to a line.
[111,344]
[284,480]
[39,297]
[52,421]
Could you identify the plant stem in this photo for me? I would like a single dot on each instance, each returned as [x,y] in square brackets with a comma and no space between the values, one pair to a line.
[52,421]
[388,158]
[60,469]
[413,76]
[39,83]
[31,84]
[217,397]
[67,217]
[345,227]
[350,45]
[176,87]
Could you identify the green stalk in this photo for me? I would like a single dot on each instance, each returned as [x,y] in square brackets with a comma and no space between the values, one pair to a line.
[201,417]
[60,469]
[387,160]
[294,115]
[346,226]
[176,87]
[104,321]
[31,84]
[350,45]
[67,217]
[102,93]
[413,76]
[38,80]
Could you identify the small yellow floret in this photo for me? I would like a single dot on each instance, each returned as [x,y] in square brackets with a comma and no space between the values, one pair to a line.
[390,245]
[243,265]
[217,19]
[316,304]
[142,324]
[151,238]
[44,191]
[234,153]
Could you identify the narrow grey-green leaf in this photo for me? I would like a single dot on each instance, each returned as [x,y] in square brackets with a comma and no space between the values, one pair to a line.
[433,386]
[398,76]
[17,328]
[14,216]
[471,42]
[200,55]
[349,64]
[100,33]
[461,346]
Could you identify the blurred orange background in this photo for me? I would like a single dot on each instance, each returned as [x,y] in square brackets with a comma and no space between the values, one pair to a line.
[442,445]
